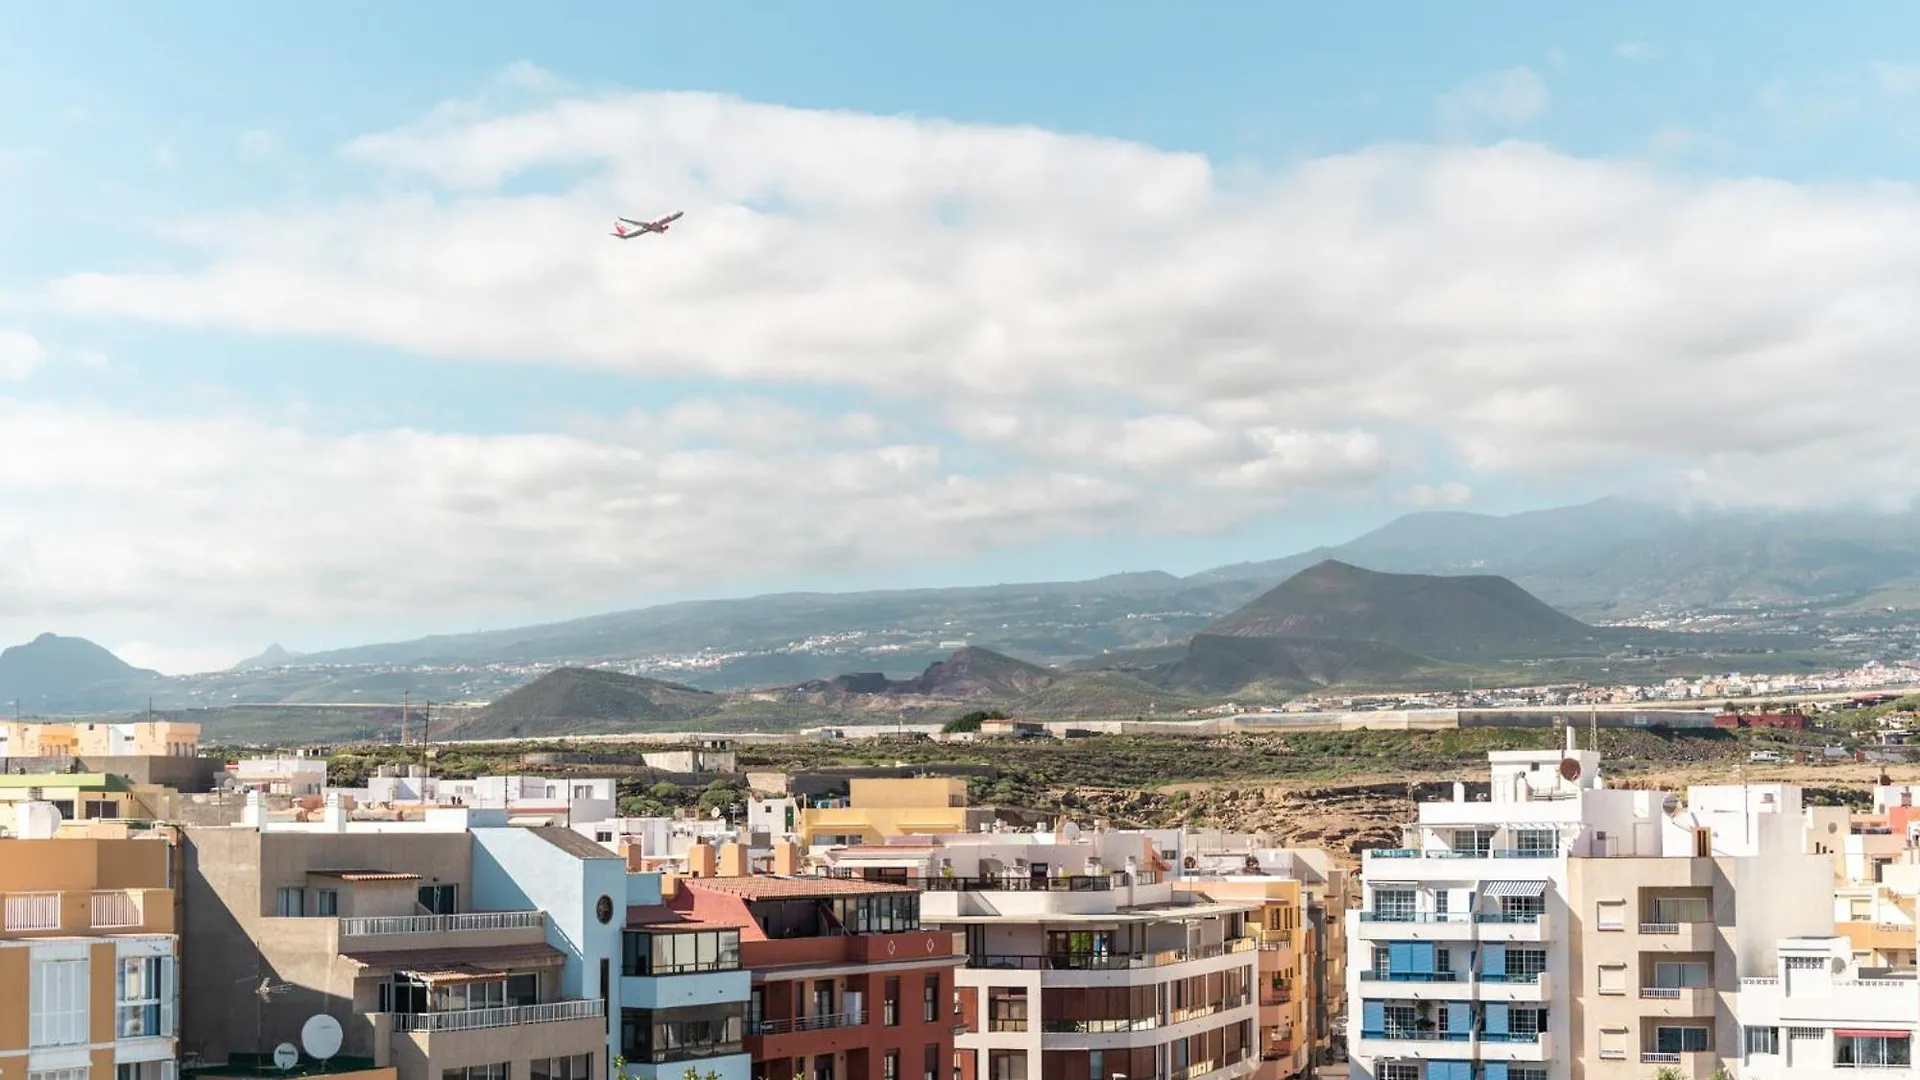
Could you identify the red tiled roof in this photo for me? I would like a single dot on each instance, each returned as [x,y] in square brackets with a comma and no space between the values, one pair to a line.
[366,875]
[770,887]
[666,920]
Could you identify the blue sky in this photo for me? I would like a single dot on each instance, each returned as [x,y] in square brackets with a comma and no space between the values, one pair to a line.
[195,278]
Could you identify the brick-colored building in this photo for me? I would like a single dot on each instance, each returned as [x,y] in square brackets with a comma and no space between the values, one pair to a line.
[846,983]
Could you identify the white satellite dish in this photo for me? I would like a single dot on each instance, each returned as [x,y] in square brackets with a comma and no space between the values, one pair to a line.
[321,1036]
[285,1056]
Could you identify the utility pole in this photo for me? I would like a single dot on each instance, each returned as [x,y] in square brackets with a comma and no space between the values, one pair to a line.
[426,735]
[405,699]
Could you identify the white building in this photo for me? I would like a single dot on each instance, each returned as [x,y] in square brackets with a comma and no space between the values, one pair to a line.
[282,775]
[1819,1016]
[1562,921]
[528,800]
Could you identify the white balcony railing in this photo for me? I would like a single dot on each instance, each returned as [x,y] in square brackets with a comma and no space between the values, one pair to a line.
[442,924]
[117,909]
[508,1016]
[33,911]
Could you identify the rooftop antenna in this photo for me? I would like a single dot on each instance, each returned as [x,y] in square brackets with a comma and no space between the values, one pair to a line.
[426,734]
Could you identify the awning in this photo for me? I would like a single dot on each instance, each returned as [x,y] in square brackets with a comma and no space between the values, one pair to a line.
[1871,1033]
[1531,890]
[479,958]
[450,976]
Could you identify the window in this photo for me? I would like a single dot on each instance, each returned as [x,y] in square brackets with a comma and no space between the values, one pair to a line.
[289,902]
[1613,1044]
[326,902]
[930,999]
[890,1008]
[577,1067]
[1525,965]
[1399,1070]
[1536,843]
[58,1074]
[1613,978]
[1681,1040]
[689,1033]
[1611,914]
[1393,905]
[930,1062]
[1006,1008]
[1681,975]
[441,900]
[1762,1040]
[1872,1050]
[1681,909]
[496,1071]
[662,952]
[60,993]
[890,1065]
[144,995]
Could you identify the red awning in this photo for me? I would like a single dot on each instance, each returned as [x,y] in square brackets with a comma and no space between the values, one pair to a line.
[1871,1033]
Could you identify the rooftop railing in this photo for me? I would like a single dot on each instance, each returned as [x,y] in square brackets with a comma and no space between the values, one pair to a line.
[507,1016]
[33,911]
[441,924]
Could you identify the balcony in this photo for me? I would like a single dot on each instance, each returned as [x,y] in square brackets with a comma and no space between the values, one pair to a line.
[509,1016]
[1106,961]
[1415,1044]
[27,912]
[816,1022]
[119,909]
[1528,1046]
[1416,925]
[443,924]
[1518,989]
[1679,1001]
[1424,985]
[1504,926]
[476,929]
[1274,939]
[1691,1064]
[1680,937]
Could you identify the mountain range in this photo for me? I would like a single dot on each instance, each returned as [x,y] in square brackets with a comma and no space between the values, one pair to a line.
[1608,560]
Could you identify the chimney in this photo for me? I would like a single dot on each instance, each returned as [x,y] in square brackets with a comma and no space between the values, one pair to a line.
[334,816]
[1459,791]
[733,859]
[786,857]
[700,859]
[635,856]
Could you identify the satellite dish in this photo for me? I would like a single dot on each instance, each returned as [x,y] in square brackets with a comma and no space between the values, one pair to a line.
[1670,805]
[1570,768]
[321,1036]
[285,1056]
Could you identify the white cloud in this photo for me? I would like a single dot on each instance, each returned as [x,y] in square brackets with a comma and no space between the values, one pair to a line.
[1033,334]
[258,145]
[1637,51]
[21,354]
[1507,98]
[174,659]
[1896,80]
[1429,496]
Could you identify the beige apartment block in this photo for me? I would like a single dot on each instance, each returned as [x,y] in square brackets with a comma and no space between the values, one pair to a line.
[374,924]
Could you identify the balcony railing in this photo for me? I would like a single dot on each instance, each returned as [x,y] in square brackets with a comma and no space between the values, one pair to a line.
[816,1022]
[442,924]
[1018,883]
[117,909]
[1410,976]
[1523,917]
[1449,853]
[508,1016]
[1099,1027]
[1105,961]
[1417,916]
[33,911]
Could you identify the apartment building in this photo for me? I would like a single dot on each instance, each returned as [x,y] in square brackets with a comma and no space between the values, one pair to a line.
[846,982]
[1565,929]
[882,808]
[1286,952]
[1082,961]
[147,738]
[90,796]
[88,954]
[1818,1015]
[1320,945]
[529,800]
[295,775]
[684,992]
[450,945]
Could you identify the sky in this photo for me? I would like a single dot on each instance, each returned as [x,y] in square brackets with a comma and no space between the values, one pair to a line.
[312,332]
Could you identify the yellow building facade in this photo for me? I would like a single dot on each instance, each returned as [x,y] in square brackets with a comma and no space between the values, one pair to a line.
[882,808]
[88,958]
[1289,950]
[143,738]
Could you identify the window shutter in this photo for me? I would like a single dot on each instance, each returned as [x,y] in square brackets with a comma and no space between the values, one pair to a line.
[168,997]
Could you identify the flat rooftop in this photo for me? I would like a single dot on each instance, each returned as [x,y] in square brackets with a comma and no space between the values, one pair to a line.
[775,887]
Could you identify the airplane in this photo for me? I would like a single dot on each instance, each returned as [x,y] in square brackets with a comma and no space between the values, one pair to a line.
[642,228]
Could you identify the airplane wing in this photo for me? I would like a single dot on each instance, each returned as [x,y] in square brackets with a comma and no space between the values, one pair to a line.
[630,221]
